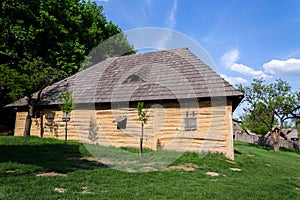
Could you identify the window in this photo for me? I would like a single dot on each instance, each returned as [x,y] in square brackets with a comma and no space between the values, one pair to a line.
[121,122]
[134,78]
[190,121]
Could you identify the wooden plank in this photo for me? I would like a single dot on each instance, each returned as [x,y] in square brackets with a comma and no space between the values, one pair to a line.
[166,125]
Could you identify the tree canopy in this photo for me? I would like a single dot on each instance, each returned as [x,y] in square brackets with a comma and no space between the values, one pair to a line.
[44,40]
[252,123]
[271,104]
[66,102]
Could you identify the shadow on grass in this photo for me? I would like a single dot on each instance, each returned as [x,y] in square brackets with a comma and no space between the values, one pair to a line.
[51,157]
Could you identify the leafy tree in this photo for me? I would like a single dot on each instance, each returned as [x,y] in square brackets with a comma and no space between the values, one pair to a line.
[66,105]
[143,117]
[268,103]
[42,41]
[66,101]
[250,123]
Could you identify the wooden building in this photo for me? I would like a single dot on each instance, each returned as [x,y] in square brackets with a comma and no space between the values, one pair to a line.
[190,106]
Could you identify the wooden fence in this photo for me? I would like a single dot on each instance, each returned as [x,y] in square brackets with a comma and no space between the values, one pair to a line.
[260,140]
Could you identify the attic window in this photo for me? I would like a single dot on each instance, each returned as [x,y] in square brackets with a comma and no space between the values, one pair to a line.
[134,78]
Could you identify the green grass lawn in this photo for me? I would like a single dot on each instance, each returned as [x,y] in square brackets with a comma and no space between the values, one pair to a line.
[264,174]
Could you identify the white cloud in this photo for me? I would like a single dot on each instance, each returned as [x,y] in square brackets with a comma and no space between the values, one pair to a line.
[230,57]
[234,80]
[171,20]
[248,71]
[170,23]
[164,38]
[283,67]
[229,60]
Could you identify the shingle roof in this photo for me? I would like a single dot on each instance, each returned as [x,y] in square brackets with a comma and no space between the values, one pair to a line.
[160,75]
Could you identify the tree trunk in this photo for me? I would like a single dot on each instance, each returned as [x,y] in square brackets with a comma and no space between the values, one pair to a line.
[141,141]
[276,140]
[277,143]
[42,124]
[276,147]
[28,119]
[66,132]
[31,103]
[27,125]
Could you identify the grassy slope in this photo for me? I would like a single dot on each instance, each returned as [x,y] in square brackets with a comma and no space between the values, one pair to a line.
[264,175]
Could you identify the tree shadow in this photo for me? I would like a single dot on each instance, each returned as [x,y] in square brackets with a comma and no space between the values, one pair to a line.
[51,157]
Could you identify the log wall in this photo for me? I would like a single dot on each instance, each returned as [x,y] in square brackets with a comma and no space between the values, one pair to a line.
[164,129]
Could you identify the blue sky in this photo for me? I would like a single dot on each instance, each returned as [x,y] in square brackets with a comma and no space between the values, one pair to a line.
[245,39]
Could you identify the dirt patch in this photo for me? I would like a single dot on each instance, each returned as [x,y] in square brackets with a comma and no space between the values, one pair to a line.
[100,161]
[60,190]
[85,191]
[187,167]
[298,189]
[148,169]
[230,161]
[10,171]
[130,170]
[72,158]
[182,167]
[268,165]
[212,174]
[50,174]
[236,169]
[91,159]
[250,155]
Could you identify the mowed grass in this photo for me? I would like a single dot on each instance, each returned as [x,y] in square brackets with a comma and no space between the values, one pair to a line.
[263,174]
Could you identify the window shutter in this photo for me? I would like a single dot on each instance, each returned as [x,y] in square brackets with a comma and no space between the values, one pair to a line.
[190,123]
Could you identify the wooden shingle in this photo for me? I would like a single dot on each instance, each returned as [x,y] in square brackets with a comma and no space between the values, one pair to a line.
[160,75]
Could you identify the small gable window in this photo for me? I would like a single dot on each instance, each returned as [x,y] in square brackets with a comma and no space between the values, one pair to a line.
[134,78]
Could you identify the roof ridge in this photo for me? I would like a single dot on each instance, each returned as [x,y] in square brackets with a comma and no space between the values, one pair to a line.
[149,52]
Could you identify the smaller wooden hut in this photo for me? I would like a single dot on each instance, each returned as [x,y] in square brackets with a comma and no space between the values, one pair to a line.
[190,105]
